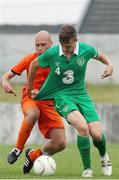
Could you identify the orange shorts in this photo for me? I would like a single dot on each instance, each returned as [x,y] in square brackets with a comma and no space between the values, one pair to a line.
[49,118]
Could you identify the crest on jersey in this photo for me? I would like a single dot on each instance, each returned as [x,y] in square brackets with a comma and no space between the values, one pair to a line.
[80,61]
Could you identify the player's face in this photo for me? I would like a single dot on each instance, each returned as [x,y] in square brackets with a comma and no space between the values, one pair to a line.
[69,47]
[42,45]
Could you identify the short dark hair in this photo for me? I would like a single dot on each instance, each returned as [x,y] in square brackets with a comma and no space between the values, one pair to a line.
[66,33]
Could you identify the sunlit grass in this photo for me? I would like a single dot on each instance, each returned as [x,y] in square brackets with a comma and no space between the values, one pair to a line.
[99,94]
[69,165]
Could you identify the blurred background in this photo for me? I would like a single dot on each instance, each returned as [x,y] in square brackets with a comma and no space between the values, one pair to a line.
[97,23]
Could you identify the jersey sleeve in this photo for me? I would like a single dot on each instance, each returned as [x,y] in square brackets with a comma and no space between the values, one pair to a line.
[93,52]
[43,60]
[22,65]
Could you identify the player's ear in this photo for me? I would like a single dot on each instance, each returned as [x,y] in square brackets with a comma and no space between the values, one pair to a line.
[51,42]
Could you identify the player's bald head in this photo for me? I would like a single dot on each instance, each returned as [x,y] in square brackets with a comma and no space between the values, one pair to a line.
[43,41]
[43,35]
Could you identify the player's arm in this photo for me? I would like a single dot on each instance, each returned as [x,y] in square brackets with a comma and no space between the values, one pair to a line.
[109,67]
[31,75]
[42,61]
[16,70]
[6,84]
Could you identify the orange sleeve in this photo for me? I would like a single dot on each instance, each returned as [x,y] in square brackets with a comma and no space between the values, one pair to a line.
[23,64]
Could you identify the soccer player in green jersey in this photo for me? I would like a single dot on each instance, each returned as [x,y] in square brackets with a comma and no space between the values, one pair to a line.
[66,86]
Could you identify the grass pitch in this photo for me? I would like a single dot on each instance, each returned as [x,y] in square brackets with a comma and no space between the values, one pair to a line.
[68,162]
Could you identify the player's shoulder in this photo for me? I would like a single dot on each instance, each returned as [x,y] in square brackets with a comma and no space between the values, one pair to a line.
[28,58]
[55,48]
[85,46]
[52,51]
[31,56]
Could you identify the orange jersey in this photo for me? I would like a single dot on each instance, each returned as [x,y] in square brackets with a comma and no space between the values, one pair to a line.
[49,118]
[23,65]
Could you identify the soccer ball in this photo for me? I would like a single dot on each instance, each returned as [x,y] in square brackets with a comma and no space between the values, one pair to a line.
[44,165]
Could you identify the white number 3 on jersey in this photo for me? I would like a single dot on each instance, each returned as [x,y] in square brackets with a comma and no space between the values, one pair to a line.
[69,77]
[57,71]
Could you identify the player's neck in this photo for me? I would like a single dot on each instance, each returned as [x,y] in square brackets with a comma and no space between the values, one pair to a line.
[68,55]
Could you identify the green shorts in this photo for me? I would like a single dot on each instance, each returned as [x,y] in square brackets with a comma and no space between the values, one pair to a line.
[64,105]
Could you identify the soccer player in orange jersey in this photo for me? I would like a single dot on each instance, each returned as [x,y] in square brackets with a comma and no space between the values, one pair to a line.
[49,122]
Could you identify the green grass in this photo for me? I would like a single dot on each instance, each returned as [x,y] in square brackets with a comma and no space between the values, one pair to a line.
[104,93]
[99,94]
[68,162]
[5,97]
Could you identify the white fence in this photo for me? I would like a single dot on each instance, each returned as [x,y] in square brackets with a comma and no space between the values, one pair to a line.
[11,117]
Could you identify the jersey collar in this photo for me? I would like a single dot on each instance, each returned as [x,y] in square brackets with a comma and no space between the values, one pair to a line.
[75,51]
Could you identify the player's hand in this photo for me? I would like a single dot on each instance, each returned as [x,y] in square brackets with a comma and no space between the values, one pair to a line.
[108,72]
[8,89]
[34,93]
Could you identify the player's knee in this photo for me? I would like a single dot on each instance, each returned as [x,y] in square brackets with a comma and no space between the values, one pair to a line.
[97,136]
[61,144]
[83,130]
[84,133]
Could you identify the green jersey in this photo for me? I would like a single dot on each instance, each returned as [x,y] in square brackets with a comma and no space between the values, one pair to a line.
[66,77]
